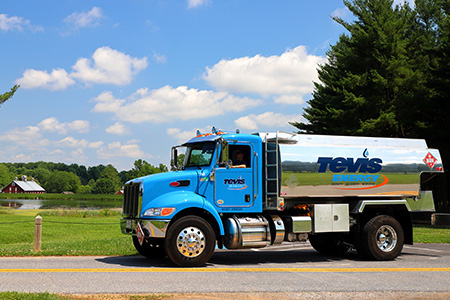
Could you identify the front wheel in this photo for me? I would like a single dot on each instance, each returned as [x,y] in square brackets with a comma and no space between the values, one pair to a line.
[190,242]
[382,238]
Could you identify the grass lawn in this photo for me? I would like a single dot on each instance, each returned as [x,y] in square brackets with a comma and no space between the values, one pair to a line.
[63,233]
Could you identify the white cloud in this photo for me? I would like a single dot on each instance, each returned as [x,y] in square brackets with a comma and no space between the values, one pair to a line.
[72,143]
[17,23]
[268,119]
[29,136]
[342,13]
[108,66]
[292,73]
[57,80]
[168,104]
[160,58]
[85,19]
[118,128]
[196,3]
[53,125]
[184,136]
[116,149]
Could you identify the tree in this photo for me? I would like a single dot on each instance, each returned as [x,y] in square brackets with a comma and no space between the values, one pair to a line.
[368,77]
[5,176]
[62,181]
[104,186]
[111,173]
[4,97]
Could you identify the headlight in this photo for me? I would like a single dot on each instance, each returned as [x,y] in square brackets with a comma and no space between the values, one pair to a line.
[159,211]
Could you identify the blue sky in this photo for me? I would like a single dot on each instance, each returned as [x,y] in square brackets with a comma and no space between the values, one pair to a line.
[110,82]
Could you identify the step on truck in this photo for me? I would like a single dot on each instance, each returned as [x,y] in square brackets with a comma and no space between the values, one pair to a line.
[238,191]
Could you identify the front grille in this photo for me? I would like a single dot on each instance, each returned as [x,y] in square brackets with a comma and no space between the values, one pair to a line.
[131,199]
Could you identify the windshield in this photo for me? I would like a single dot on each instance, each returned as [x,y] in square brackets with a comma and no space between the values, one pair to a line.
[199,154]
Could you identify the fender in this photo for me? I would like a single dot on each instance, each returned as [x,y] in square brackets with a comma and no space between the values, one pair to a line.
[182,200]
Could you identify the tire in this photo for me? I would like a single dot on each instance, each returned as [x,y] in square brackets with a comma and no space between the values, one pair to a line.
[382,238]
[151,248]
[329,244]
[190,242]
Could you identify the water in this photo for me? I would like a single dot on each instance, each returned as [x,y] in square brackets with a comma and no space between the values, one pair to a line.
[59,203]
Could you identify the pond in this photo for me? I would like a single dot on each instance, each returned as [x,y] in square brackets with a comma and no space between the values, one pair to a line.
[59,204]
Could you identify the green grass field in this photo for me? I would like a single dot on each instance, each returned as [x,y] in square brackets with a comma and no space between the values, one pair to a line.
[63,233]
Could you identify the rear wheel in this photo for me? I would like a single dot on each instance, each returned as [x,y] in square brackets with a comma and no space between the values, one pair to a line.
[190,242]
[329,244]
[150,248]
[382,238]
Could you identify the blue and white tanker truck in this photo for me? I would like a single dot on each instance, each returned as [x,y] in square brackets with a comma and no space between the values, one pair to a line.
[239,191]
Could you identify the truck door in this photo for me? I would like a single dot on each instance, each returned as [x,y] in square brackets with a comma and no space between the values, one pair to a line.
[234,185]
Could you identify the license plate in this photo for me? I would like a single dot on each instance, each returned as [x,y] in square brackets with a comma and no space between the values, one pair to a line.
[129,224]
[140,234]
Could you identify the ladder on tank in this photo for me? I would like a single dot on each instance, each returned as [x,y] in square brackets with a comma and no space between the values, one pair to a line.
[272,170]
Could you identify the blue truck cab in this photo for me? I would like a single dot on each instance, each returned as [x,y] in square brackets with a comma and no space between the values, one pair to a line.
[210,183]
[238,191]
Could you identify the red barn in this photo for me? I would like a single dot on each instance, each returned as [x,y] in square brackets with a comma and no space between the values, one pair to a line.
[29,187]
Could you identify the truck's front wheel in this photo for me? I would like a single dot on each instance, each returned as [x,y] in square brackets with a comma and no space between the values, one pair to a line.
[382,238]
[190,242]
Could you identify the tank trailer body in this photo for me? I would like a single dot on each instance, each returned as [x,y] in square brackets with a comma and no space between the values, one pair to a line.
[253,190]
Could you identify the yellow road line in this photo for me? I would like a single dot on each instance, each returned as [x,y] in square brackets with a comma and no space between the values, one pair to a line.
[219,270]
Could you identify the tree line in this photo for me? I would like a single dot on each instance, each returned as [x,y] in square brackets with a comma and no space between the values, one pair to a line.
[60,177]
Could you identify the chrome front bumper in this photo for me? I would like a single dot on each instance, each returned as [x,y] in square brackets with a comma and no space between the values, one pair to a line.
[151,228]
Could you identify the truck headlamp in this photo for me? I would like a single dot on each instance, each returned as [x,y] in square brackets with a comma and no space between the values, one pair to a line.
[159,211]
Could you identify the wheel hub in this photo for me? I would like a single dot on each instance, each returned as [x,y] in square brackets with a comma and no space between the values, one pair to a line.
[191,242]
[386,238]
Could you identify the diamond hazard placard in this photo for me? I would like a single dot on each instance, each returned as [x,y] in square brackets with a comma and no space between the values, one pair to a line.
[430,160]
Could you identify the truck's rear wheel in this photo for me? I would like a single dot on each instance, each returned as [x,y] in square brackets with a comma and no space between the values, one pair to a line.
[329,244]
[150,248]
[190,242]
[382,238]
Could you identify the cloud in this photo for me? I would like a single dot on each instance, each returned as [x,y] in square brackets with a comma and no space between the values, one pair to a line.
[116,149]
[107,66]
[160,58]
[168,104]
[197,3]
[57,80]
[184,136]
[17,23]
[29,136]
[53,125]
[292,73]
[118,128]
[342,13]
[268,119]
[85,19]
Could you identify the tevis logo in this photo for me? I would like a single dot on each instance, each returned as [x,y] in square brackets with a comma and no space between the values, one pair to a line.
[341,164]
[235,184]
[234,181]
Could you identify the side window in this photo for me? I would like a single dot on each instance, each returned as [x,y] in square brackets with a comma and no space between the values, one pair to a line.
[240,155]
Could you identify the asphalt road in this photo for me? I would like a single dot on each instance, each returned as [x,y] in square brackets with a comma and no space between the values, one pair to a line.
[289,268]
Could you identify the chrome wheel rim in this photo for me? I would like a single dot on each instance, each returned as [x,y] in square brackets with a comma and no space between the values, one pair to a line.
[386,238]
[191,242]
